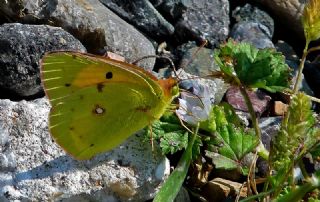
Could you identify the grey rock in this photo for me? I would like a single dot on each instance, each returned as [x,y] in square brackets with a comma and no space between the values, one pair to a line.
[293,62]
[312,75]
[204,19]
[252,32]
[142,15]
[287,51]
[270,127]
[21,47]
[91,22]
[202,65]
[172,9]
[254,14]
[34,168]
[304,86]
[289,11]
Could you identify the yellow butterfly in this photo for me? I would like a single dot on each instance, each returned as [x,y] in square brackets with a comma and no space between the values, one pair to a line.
[98,102]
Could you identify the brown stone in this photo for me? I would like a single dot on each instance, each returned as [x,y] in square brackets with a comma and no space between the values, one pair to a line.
[234,187]
[280,108]
[219,189]
[214,191]
[259,100]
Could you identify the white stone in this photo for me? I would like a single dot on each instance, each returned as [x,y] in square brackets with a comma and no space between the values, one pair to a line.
[34,168]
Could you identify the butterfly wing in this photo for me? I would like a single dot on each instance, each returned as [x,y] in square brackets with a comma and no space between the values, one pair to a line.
[98,102]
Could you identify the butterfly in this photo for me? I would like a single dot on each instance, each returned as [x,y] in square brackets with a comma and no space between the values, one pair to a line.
[98,102]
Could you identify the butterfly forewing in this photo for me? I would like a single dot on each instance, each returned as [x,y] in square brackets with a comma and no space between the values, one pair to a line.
[97,103]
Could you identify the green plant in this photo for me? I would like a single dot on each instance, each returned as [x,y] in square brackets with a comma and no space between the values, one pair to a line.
[223,139]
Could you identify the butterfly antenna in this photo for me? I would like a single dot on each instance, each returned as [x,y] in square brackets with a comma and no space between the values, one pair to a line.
[203,44]
[191,94]
[182,123]
[158,56]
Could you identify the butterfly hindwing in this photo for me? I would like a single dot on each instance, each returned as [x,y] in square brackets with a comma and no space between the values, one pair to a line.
[96,102]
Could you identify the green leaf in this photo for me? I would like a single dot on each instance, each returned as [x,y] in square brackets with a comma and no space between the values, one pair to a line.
[172,186]
[230,142]
[254,68]
[169,132]
[173,141]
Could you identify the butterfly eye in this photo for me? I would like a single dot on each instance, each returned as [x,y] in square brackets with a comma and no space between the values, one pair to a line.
[109,75]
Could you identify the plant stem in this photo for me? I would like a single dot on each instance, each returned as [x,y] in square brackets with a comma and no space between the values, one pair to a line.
[262,151]
[298,80]
[251,111]
[299,76]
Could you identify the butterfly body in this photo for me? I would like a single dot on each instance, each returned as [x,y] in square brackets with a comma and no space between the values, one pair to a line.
[98,102]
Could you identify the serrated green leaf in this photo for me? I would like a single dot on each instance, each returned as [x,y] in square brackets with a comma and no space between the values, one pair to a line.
[255,68]
[230,142]
[173,141]
[169,132]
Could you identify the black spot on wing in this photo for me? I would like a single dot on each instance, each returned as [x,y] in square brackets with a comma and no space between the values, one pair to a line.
[100,87]
[67,84]
[109,75]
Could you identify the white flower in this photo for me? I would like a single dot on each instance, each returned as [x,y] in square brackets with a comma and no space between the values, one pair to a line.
[194,107]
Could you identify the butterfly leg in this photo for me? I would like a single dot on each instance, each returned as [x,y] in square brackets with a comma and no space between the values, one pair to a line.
[181,122]
[151,136]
